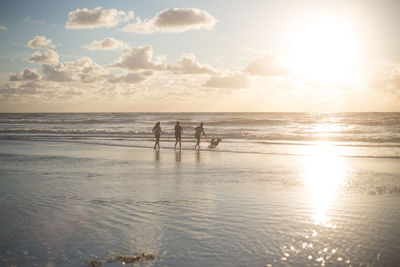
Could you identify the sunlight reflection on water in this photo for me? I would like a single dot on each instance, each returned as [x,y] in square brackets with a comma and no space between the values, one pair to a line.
[324,174]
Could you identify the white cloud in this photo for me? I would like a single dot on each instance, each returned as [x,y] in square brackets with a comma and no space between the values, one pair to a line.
[132,77]
[95,18]
[6,90]
[182,19]
[106,44]
[21,89]
[29,88]
[48,57]
[187,64]
[268,65]
[82,69]
[137,58]
[174,20]
[26,75]
[40,42]
[141,58]
[57,73]
[29,20]
[147,73]
[3,28]
[87,70]
[386,79]
[232,81]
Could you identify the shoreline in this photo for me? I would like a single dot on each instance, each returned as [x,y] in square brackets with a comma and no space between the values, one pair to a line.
[215,150]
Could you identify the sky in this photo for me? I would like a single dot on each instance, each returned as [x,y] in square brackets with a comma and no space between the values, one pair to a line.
[205,55]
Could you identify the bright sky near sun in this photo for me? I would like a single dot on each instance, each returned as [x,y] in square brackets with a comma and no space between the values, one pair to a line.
[206,55]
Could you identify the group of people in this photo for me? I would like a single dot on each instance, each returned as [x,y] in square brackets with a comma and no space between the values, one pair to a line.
[178,135]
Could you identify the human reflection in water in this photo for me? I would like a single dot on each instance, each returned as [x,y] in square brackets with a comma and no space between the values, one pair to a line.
[178,155]
[157,155]
[198,159]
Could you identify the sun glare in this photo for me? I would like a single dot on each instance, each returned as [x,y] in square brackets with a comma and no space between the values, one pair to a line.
[323,175]
[325,50]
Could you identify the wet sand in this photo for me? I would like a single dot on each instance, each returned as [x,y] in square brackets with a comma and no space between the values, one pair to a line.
[69,204]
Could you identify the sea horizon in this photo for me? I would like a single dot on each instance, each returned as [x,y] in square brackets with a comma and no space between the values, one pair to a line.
[152,112]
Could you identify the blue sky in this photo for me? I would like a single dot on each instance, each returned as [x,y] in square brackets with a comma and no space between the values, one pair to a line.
[52,16]
[240,56]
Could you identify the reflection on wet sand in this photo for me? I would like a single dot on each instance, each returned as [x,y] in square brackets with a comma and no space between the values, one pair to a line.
[324,174]
[178,155]
[198,159]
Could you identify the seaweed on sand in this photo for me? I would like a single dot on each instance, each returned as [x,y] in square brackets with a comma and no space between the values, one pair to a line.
[140,258]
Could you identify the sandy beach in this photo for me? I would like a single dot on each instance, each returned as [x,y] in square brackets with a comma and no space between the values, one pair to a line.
[67,204]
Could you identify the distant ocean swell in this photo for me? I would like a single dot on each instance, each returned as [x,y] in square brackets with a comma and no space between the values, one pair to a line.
[389,121]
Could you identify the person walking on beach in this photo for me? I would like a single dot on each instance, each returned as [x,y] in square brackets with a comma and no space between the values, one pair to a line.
[157,133]
[178,134]
[198,130]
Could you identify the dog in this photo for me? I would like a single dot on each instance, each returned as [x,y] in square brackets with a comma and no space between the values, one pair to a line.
[214,142]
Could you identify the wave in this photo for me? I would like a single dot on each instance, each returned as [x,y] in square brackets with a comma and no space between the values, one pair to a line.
[74,131]
[65,121]
[225,134]
[212,119]
[238,122]
[170,138]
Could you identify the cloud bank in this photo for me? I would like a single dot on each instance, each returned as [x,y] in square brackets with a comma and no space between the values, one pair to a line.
[26,75]
[232,81]
[96,18]
[132,77]
[173,20]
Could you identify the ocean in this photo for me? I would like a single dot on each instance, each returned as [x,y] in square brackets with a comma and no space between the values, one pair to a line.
[352,134]
[281,189]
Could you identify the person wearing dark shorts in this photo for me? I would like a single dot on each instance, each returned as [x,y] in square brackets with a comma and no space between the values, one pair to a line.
[198,130]
[157,133]
[178,134]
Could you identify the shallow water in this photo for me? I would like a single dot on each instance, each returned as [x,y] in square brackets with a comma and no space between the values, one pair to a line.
[66,204]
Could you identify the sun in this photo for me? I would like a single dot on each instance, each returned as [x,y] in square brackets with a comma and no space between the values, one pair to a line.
[325,49]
